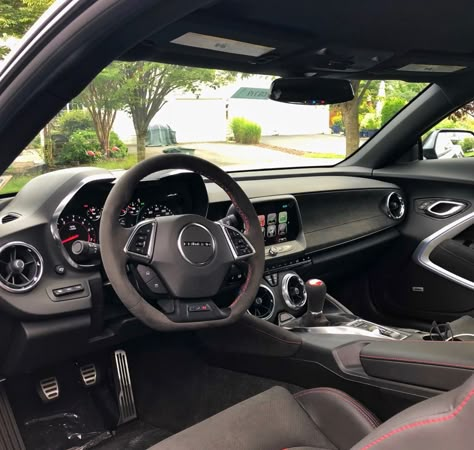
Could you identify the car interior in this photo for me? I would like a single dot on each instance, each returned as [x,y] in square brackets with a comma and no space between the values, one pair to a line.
[163,318]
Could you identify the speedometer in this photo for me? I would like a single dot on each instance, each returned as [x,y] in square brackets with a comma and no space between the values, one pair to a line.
[156,210]
[75,228]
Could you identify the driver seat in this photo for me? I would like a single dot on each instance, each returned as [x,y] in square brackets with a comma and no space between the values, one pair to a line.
[328,419]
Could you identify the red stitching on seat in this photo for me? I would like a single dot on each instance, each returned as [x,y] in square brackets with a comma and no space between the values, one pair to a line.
[410,426]
[419,361]
[374,421]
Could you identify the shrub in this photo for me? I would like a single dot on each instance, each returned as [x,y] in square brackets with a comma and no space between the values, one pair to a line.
[117,147]
[391,107]
[467,144]
[82,147]
[71,121]
[370,122]
[245,131]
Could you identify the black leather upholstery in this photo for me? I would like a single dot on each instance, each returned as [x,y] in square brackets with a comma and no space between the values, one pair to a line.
[276,420]
[328,419]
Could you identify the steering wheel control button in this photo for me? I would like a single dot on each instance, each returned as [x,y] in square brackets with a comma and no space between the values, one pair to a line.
[240,246]
[141,240]
[156,286]
[146,273]
[196,244]
[199,308]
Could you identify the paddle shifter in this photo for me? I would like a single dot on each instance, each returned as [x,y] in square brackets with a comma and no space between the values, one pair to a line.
[314,317]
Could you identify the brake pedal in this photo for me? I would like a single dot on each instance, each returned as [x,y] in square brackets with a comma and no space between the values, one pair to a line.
[89,375]
[48,389]
[123,385]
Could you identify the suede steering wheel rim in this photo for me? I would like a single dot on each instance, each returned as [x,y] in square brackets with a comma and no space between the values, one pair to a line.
[191,254]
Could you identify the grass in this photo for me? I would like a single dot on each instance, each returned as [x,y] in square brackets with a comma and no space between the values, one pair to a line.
[469,154]
[16,183]
[323,155]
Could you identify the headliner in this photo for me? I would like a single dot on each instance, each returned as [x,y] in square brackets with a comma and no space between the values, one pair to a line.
[347,39]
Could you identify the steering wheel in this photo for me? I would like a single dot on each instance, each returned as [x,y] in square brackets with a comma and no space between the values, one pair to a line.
[188,254]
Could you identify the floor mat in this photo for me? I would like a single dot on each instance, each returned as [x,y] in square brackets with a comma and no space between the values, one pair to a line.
[136,435]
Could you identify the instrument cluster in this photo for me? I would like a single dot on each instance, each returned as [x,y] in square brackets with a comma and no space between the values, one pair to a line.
[82,221]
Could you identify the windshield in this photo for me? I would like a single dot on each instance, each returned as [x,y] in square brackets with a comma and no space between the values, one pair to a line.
[133,111]
[136,110]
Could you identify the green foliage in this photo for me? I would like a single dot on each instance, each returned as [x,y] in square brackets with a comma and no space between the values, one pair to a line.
[464,123]
[370,122]
[118,149]
[35,143]
[245,131]
[71,121]
[82,147]
[17,16]
[467,144]
[391,107]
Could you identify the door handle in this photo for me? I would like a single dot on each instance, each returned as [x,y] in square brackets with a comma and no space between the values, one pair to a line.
[443,209]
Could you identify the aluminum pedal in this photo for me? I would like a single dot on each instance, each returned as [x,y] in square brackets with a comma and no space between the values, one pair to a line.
[123,384]
[48,389]
[88,375]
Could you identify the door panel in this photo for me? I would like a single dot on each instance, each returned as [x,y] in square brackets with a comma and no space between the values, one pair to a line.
[430,275]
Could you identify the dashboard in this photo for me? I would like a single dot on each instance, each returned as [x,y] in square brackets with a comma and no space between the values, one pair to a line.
[303,219]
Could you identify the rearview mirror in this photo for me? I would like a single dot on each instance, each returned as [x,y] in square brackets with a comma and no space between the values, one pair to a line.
[311,91]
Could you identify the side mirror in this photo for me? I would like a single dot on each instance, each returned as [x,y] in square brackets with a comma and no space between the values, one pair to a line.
[448,143]
[311,91]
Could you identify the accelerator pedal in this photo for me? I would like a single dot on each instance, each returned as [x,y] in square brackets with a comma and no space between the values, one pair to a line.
[123,385]
[48,389]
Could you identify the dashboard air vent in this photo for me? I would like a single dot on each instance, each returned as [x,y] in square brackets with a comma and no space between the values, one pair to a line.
[293,291]
[10,217]
[264,304]
[21,267]
[395,206]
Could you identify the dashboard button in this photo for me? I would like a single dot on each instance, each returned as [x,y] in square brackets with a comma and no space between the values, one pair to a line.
[60,269]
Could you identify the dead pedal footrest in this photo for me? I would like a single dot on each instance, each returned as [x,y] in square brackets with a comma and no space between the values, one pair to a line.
[123,384]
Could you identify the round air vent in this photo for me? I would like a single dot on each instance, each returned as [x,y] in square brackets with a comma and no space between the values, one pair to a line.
[21,267]
[264,303]
[294,292]
[395,206]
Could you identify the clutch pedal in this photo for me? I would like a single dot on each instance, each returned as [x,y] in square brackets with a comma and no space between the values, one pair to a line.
[48,389]
[89,375]
[123,385]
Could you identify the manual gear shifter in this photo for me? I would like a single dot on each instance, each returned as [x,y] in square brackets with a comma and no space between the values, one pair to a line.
[314,317]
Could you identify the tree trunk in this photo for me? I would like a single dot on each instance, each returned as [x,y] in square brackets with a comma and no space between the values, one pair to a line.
[351,123]
[141,145]
[48,146]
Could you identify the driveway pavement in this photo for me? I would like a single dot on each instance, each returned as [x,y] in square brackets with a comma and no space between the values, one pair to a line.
[232,155]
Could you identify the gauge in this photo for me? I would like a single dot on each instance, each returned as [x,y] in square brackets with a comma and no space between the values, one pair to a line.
[134,207]
[156,211]
[93,212]
[123,212]
[75,227]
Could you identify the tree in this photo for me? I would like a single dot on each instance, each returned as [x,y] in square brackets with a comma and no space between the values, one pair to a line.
[17,16]
[103,97]
[391,107]
[350,114]
[148,84]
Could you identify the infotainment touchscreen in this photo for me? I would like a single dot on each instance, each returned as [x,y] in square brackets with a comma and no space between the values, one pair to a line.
[278,220]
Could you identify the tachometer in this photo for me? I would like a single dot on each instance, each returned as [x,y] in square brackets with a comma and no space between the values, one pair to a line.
[156,211]
[75,227]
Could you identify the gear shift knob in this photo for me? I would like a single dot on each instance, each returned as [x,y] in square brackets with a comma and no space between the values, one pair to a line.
[316,290]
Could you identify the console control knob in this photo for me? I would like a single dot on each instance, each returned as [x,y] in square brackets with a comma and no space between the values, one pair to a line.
[273,251]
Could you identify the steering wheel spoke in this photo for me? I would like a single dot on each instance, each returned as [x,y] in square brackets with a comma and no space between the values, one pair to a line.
[239,245]
[141,241]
